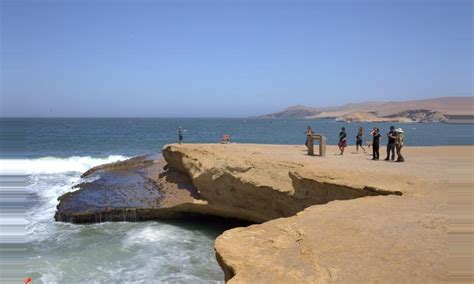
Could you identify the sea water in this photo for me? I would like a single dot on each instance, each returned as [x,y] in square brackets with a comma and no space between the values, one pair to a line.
[44,158]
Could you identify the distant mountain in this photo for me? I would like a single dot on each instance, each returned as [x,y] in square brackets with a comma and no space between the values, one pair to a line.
[429,110]
[298,111]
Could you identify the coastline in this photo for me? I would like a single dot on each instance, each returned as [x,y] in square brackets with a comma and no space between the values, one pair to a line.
[325,231]
[441,109]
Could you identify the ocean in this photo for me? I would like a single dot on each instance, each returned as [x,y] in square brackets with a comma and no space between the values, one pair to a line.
[43,158]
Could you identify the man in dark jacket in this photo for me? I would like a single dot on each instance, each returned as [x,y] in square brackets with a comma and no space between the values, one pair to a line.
[392,137]
[375,143]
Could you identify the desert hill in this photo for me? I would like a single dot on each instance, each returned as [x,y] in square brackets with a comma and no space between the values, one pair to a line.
[429,110]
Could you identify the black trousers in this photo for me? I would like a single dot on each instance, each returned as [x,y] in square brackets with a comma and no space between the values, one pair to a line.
[375,151]
[390,149]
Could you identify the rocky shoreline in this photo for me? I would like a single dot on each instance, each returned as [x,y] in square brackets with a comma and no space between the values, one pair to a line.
[148,188]
[317,218]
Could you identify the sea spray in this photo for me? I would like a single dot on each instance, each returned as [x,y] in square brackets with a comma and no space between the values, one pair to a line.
[60,252]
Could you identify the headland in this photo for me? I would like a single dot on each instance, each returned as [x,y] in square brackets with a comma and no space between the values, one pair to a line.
[317,219]
[443,109]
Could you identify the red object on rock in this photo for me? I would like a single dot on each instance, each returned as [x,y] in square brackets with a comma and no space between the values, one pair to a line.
[27,280]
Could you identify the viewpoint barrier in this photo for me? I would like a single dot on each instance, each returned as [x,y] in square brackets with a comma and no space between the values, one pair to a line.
[322,144]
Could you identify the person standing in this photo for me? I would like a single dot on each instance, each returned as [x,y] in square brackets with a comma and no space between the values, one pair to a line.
[399,144]
[309,132]
[392,136]
[180,132]
[342,140]
[359,140]
[375,143]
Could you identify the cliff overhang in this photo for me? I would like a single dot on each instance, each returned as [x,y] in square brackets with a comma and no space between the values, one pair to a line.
[312,214]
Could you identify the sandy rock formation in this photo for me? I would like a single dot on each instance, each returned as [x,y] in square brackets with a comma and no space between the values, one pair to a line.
[379,238]
[260,189]
[323,219]
[392,239]
[369,117]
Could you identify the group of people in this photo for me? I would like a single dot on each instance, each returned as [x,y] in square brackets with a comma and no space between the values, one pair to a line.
[394,144]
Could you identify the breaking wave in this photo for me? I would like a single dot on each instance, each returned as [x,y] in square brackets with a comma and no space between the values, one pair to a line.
[54,165]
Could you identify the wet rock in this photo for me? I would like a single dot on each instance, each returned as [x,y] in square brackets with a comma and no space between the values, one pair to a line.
[132,190]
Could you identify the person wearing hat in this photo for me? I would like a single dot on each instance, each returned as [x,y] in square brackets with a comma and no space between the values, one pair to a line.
[399,144]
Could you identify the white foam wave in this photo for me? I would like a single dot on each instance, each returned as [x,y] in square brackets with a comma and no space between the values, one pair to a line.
[117,252]
[147,235]
[53,165]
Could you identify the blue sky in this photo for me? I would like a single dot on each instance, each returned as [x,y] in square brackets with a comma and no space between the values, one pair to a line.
[227,58]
